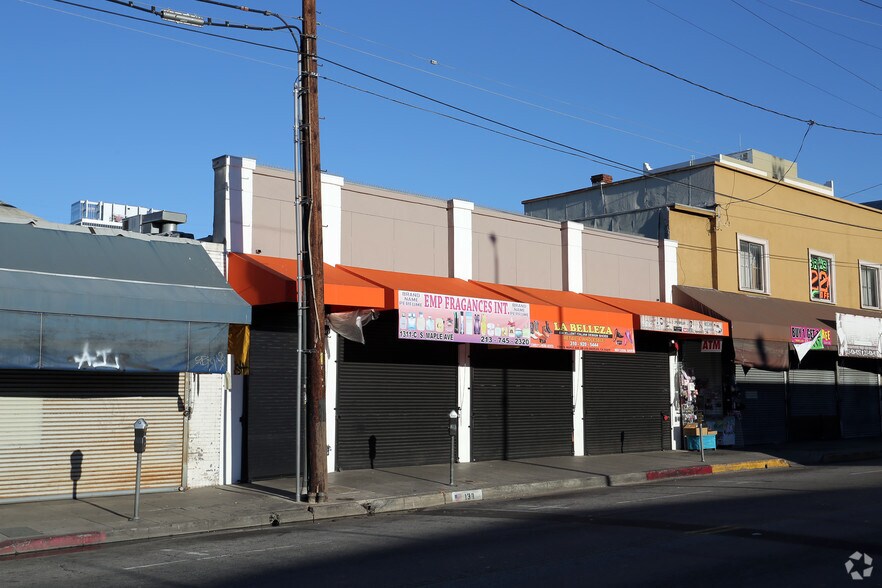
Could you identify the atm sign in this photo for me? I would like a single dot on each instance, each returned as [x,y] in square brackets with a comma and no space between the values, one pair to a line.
[711,345]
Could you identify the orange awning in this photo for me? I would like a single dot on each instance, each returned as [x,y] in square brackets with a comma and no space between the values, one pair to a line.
[393,282]
[666,317]
[566,320]
[261,279]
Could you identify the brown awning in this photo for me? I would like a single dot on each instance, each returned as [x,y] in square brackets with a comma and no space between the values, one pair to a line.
[762,327]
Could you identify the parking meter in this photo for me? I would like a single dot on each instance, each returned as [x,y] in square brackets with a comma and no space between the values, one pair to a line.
[140,446]
[452,430]
[140,435]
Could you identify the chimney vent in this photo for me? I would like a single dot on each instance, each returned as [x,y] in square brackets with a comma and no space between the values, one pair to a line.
[601,179]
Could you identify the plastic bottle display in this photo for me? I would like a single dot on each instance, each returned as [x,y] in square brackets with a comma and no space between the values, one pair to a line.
[456,322]
[402,320]
[477,327]
[469,324]
[421,323]
[439,325]
[430,323]
[411,322]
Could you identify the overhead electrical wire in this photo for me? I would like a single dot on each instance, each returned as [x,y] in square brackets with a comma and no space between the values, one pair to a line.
[691,82]
[761,60]
[437,63]
[575,151]
[807,46]
[848,16]
[828,30]
[513,98]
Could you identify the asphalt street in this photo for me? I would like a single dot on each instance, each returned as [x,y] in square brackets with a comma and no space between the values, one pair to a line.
[789,527]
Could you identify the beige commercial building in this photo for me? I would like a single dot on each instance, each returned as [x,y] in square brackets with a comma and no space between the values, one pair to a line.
[521,395]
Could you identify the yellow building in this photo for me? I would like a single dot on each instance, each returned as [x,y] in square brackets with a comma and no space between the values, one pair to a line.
[794,269]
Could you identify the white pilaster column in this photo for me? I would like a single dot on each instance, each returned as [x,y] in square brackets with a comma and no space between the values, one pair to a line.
[233,199]
[669,269]
[332,246]
[332,218]
[459,229]
[675,417]
[332,340]
[571,244]
[578,404]
[464,396]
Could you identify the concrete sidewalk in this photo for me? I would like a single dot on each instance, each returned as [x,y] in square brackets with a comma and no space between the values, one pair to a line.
[38,526]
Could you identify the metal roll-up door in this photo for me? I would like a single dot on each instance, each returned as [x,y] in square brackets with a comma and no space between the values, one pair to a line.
[626,397]
[859,402]
[393,399]
[66,434]
[812,396]
[764,406]
[522,403]
[270,411]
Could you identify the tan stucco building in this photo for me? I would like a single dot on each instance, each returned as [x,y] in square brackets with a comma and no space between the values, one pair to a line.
[388,398]
[783,259]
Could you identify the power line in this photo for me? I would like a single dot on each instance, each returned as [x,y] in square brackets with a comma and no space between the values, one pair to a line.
[848,16]
[690,82]
[171,26]
[513,98]
[873,4]
[807,46]
[453,118]
[606,161]
[761,60]
[481,76]
[808,22]
[784,175]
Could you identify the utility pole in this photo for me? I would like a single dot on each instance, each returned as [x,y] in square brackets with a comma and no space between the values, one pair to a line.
[316,437]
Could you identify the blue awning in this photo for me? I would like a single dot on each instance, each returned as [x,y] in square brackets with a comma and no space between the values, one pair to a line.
[75,298]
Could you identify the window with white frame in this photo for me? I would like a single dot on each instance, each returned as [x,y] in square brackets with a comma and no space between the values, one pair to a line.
[753,264]
[820,276]
[870,285]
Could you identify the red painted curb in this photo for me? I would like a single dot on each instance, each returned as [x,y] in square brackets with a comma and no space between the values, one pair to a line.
[679,472]
[33,544]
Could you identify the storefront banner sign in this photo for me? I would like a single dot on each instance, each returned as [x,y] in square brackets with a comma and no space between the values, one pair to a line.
[668,324]
[806,334]
[579,330]
[859,336]
[441,317]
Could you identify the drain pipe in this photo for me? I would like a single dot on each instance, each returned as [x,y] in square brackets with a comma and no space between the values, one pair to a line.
[301,297]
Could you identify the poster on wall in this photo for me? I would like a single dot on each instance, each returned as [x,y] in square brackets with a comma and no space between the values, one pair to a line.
[462,319]
[819,277]
[859,336]
[805,334]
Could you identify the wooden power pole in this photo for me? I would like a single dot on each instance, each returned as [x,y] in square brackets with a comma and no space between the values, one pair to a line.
[316,437]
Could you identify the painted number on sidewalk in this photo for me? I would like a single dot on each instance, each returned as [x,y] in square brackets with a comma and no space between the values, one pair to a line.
[466,495]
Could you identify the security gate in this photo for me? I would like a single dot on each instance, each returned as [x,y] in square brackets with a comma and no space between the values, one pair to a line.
[627,397]
[522,403]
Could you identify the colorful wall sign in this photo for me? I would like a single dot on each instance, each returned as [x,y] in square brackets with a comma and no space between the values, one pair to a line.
[859,336]
[553,327]
[804,334]
[442,317]
[819,277]
[668,324]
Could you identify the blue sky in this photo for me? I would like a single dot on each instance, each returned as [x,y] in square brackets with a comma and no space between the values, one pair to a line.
[99,107]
